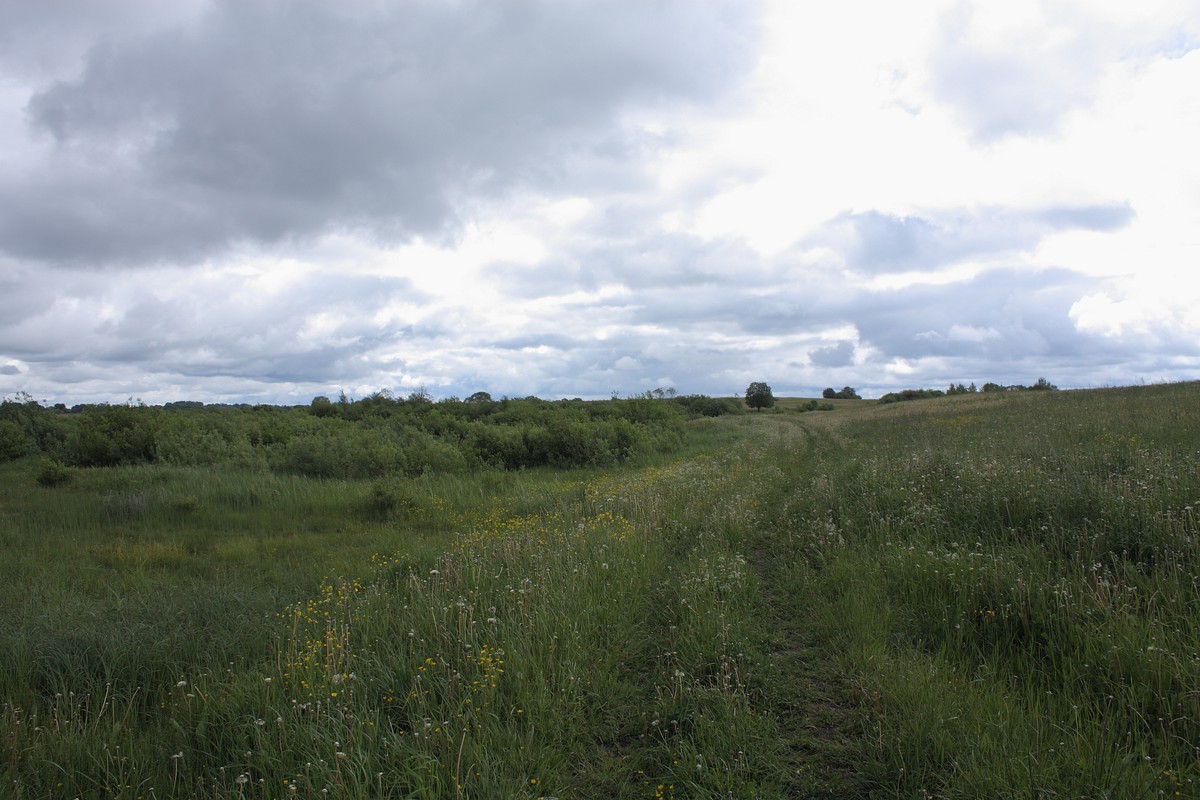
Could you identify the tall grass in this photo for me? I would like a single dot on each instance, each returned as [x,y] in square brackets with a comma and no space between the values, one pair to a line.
[583,634]
[976,596]
[1013,582]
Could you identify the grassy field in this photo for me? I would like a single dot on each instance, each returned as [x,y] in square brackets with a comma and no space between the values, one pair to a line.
[975,596]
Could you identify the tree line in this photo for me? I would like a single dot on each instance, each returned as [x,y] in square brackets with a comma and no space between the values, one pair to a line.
[1040,385]
[375,435]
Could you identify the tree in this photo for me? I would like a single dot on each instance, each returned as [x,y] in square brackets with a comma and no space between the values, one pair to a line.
[322,407]
[758,396]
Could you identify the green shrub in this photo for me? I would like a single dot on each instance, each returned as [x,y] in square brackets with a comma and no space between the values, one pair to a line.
[52,473]
[105,436]
[389,497]
[703,406]
[14,441]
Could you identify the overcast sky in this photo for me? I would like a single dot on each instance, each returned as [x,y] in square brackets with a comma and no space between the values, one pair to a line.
[259,200]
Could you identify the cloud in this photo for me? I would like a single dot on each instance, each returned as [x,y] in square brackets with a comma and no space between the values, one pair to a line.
[1020,69]
[44,39]
[264,122]
[1004,94]
[835,355]
[205,325]
[876,242]
[1011,311]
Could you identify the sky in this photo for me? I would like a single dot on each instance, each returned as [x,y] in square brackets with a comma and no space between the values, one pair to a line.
[265,201]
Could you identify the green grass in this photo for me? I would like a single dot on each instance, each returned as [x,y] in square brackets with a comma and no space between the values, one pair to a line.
[974,596]
[1012,581]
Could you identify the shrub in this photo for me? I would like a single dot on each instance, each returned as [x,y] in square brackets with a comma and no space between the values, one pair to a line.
[14,441]
[389,497]
[106,436]
[910,394]
[704,406]
[52,473]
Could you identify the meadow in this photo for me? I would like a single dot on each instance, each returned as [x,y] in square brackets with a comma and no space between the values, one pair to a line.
[984,595]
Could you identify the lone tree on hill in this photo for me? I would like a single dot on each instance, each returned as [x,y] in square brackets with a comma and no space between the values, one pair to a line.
[758,396]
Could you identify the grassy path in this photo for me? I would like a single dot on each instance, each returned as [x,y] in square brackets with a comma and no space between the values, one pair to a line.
[818,720]
[811,701]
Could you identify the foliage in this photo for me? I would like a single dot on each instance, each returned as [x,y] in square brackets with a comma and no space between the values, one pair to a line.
[759,396]
[845,393]
[959,389]
[108,435]
[375,436]
[698,405]
[26,428]
[1040,385]
[813,405]
[15,442]
[51,473]
[322,406]
[911,394]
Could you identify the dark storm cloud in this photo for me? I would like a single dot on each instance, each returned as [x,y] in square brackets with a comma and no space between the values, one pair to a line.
[875,242]
[263,121]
